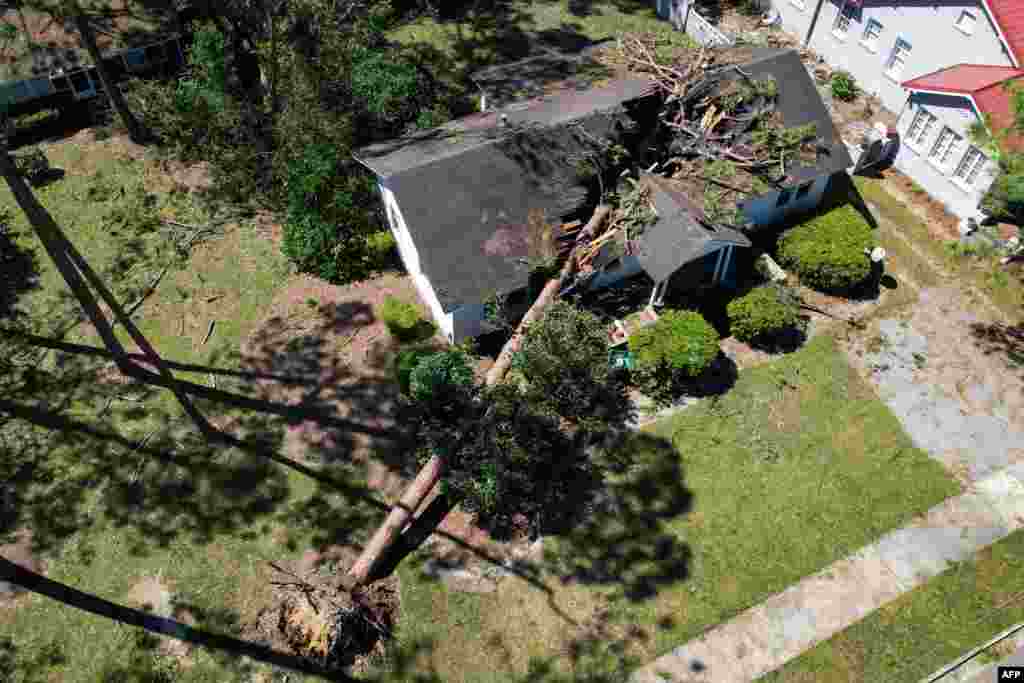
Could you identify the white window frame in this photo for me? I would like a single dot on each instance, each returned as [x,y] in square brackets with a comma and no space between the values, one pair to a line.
[799,4]
[866,39]
[945,147]
[898,52]
[970,167]
[926,122]
[967,28]
[841,26]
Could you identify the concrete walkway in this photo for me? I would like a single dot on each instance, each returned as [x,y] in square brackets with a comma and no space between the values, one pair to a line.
[767,636]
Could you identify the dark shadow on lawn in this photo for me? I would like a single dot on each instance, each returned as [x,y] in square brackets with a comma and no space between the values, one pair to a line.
[154,624]
[19,270]
[1005,340]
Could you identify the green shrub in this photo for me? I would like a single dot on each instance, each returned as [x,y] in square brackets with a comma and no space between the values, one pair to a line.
[439,373]
[386,86]
[677,348]
[763,314]
[407,361]
[380,249]
[207,77]
[827,251]
[844,86]
[327,218]
[682,340]
[403,320]
[564,359]
[432,118]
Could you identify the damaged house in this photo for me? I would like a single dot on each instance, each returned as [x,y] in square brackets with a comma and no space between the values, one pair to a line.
[477,203]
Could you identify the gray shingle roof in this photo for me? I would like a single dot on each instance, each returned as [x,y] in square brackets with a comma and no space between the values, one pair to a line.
[467,189]
[677,236]
[799,103]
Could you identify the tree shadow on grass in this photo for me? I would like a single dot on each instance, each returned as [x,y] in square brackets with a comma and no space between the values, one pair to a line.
[618,533]
[1003,340]
[19,269]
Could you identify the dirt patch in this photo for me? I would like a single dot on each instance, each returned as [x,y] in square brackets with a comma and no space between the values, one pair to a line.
[942,225]
[269,227]
[170,175]
[20,553]
[338,357]
[152,595]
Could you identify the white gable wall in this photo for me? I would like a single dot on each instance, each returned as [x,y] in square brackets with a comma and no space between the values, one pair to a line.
[916,159]
[930,28]
[411,259]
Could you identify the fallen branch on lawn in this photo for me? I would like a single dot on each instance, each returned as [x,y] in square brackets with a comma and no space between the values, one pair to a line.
[209,333]
[148,291]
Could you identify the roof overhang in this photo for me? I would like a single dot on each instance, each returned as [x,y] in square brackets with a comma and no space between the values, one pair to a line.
[949,93]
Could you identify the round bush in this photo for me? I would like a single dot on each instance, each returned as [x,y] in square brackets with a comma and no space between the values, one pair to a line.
[827,251]
[844,87]
[438,373]
[564,358]
[407,361]
[680,340]
[402,319]
[763,314]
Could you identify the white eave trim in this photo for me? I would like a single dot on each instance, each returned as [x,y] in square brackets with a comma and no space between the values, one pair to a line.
[1002,36]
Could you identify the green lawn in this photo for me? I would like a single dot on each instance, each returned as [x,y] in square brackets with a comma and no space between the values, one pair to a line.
[491,38]
[1005,290]
[131,501]
[927,628]
[797,466]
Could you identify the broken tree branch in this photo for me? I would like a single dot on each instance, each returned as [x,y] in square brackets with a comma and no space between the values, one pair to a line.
[547,295]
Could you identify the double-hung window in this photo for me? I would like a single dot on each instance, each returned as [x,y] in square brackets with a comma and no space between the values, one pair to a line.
[966,21]
[945,147]
[898,58]
[920,127]
[843,20]
[872,30]
[970,166]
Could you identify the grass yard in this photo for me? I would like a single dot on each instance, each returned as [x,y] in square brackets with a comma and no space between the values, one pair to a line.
[927,628]
[129,512]
[797,466]
[458,46]
[1004,288]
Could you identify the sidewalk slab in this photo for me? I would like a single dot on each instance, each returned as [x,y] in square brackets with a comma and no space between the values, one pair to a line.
[768,635]
[1005,493]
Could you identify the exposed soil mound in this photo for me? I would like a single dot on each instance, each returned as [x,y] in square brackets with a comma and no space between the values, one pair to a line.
[333,628]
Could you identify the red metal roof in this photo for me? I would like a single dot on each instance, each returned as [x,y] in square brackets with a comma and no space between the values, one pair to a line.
[1009,16]
[963,78]
[986,85]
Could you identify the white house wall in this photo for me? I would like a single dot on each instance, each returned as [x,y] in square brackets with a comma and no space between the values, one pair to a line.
[928,25]
[913,159]
[411,259]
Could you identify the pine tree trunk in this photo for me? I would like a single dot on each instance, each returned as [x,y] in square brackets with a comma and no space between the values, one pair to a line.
[135,129]
[388,532]
[400,514]
[546,297]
